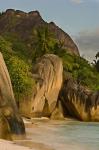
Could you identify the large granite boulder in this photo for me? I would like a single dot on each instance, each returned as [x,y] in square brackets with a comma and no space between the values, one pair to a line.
[47,72]
[11,124]
[79,102]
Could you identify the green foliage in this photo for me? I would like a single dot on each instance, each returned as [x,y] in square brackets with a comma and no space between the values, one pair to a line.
[83,72]
[79,68]
[20,77]
[44,42]
[5,46]
[18,69]
[19,57]
[19,47]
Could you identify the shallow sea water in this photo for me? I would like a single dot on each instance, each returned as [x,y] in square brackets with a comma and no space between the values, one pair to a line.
[65,135]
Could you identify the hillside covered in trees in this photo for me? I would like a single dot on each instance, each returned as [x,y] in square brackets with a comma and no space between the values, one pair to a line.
[25,37]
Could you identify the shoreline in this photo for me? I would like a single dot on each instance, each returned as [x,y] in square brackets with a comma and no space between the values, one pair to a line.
[28,143]
[46,134]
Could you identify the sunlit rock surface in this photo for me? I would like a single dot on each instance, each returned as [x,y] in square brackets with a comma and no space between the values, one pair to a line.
[48,72]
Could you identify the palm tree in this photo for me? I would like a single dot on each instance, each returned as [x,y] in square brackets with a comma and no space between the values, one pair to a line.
[97,55]
[96,62]
[44,37]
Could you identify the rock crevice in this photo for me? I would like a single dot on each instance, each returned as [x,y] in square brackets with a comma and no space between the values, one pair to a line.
[48,73]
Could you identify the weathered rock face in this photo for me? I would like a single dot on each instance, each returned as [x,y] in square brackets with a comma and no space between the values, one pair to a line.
[48,75]
[79,102]
[58,113]
[11,124]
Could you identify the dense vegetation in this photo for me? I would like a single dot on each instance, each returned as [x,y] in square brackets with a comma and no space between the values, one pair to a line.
[77,67]
[18,68]
[19,58]
[82,71]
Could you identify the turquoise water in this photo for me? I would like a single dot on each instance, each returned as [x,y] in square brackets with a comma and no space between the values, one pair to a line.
[66,135]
